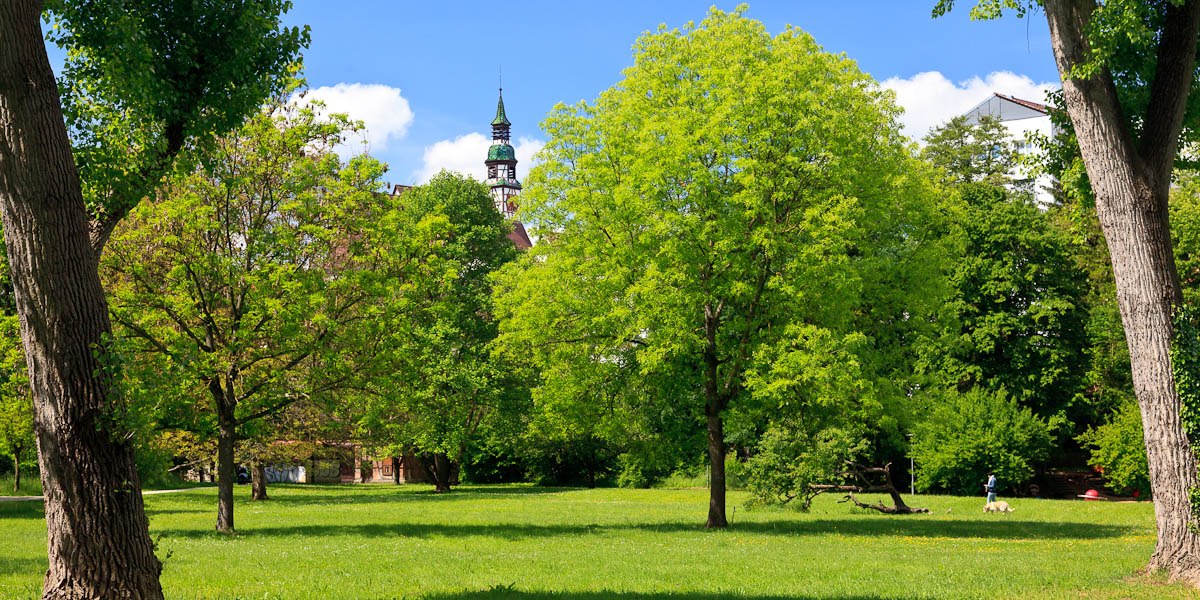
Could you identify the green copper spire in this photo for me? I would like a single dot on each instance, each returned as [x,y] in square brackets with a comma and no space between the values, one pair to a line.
[500,119]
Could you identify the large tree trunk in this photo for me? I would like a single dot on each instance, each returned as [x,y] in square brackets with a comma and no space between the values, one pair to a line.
[716,483]
[258,481]
[439,467]
[226,474]
[226,436]
[1131,180]
[714,404]
[98,540]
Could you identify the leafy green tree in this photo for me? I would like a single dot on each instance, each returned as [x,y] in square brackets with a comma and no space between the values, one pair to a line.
[243,288]
[1185,232]
[441,381]
[140,56]
[1128,72]
[822,405]
[16,401]
[981,152]
[1118,449]
[733,184]
[1017,306]
[968,435]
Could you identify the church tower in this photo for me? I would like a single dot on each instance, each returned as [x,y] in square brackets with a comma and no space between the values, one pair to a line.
[502,164]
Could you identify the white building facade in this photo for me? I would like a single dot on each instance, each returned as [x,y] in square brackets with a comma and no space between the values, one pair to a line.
[1020,117]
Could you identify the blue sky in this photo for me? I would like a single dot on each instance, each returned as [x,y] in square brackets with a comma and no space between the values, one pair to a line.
[424,75]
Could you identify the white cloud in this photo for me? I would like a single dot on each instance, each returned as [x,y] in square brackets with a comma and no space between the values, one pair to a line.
[465,154]
[930,99]
[383,110]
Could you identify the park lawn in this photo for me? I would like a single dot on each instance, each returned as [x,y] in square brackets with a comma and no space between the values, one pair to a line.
[386,541]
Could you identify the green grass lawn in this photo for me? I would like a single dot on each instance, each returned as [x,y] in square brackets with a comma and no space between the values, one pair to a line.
[383,541]
[31,485]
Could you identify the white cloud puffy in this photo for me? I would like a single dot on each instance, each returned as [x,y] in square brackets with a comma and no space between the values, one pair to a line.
[383,110]
[465,154]
[930,99]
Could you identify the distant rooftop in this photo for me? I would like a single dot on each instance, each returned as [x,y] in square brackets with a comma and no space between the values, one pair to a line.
[1006,108]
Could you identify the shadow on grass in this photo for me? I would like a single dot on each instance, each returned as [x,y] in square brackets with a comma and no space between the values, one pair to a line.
[21,566]
[326,494]
[25,509]
[930,528]
[210,507]
[504,592]
[382,492]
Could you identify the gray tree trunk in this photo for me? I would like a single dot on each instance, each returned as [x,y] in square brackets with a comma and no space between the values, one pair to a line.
[98,540]
[1131,179]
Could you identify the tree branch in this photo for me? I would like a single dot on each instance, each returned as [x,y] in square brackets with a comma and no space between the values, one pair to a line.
[1169,91]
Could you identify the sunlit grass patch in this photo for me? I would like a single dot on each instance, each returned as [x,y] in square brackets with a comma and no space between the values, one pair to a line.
[530,543]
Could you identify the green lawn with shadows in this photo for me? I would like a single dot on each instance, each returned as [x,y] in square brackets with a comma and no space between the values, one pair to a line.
[528,543]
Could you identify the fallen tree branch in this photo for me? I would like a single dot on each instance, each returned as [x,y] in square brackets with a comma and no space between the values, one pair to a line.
[901,509]
[860,473]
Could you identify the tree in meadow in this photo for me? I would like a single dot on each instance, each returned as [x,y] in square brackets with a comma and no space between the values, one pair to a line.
[441,381]
[733,187]
[245,287]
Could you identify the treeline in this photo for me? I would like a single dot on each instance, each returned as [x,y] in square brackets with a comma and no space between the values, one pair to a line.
[744,274]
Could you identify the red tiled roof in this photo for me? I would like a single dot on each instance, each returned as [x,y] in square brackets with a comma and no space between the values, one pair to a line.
[519,237]
[1026,103]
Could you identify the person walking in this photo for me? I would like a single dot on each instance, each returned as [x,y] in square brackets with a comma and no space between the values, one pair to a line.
[990,488]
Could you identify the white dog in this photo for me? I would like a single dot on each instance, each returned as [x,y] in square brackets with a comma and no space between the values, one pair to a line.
[1000,506]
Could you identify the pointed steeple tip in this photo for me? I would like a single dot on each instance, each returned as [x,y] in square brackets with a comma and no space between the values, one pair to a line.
[501,118]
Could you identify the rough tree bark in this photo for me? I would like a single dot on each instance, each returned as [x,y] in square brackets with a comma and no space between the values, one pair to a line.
[258,481]
[98,542]
[1131,179]
[226,436]
[714,405]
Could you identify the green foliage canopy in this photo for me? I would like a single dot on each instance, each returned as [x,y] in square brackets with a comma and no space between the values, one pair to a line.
[147,80]
[982,152]
[16,399]
[1017,306]
[732,185]
[438,381]
[248,280]
[966,436]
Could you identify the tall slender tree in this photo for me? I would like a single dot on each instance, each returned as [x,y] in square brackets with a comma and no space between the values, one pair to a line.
[439,382]
[183,71]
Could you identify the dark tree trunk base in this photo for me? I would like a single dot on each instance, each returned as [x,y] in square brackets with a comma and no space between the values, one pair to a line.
[258,482]
[716,478]
[440,469]
[1178,567]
